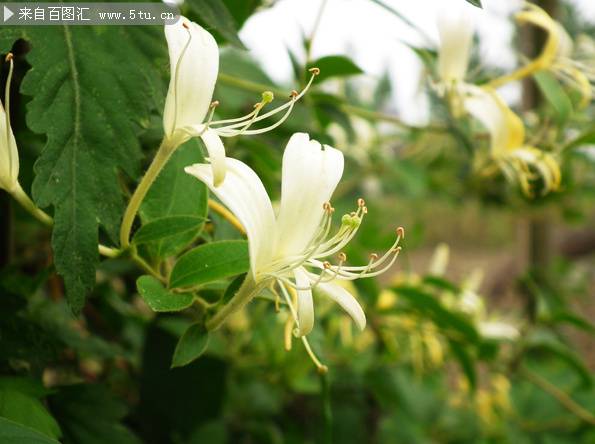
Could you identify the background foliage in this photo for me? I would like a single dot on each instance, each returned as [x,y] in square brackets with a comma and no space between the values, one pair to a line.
[96,351]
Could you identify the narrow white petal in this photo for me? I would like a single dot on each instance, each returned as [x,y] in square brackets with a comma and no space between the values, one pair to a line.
[216,152]
[9,155]
[194,63]
[483,105]
[305,305]
[311,173]
[346,300]
[456,36]
[498,330]
[244,195]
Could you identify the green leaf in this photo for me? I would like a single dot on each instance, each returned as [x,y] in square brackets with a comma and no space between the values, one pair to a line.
[166,227]
[215,14]
[210,262]
[14,433]
[158,298]
[466,362]
[91,107]
[176,193]
[427,304]
[543,341]
[441,284]
[191,346]
[475,3]
[573,319]
[28,411]
[555,95]
[335,66]
[90,414]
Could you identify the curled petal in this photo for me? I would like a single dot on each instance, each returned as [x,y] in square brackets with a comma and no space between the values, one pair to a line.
[305,304]
[346,300]
[216,152]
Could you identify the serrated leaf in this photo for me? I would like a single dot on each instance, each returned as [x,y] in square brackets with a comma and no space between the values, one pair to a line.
[165,227]
[15,433]
[214,13]
[210,262]
[158,298]
[555,95]
[176,193]
[476,3]
[192,345]
[27,410]
[335,66]
[91,107]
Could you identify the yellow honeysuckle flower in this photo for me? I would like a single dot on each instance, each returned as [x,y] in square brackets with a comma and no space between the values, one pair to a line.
[573,66]
[518,162]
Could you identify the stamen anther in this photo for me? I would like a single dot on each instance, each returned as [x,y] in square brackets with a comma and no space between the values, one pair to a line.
[185,25]
[326,265]
[9,57]
[373,257]
[214,104]
[293,94]
[267,97]
[401,232]
[361,202]
[342,257]
[314,70]
[365,210]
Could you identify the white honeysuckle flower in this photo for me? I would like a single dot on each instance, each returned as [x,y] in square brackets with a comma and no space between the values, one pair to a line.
[456,36]
[289,248]
[9,154]
[498,330]
[194,66]
[519,162]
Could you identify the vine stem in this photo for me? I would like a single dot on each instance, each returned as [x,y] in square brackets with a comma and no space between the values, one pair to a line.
[570,404]
[227,215]
[161,157]
[247,291]
[25,201]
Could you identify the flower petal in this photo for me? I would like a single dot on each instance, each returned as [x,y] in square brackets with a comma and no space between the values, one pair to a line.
[456,36]
[9,155]
[305,304]
[346,300]
[536,16]
[194,63]
[216,152]
[244,195]
[311,173]
[505,127]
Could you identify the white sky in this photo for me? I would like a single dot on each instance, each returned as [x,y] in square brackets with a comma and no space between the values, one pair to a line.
[372,37]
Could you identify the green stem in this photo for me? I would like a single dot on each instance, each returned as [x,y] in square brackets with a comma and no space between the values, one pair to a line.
[248,290]
[163,154]
[22,198]
[327,411]
[566,401]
